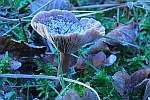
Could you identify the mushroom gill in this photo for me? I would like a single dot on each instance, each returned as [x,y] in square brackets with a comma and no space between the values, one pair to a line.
[63,28]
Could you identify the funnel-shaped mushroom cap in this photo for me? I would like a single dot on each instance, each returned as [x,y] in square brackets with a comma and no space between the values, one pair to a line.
[65,31]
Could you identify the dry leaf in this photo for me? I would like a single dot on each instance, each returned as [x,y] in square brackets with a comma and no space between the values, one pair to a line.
[88,94]
[70,95]
[80,63]
[122,83]
[138,79]
[99,59]
[72,61]
[19,49]
[12,64]
[147,91]
[55,4]
[138,76]
[124,32]
[99,46]
[50,59]
[110,60]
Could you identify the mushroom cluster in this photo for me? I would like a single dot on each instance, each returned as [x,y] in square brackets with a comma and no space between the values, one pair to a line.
[66,32]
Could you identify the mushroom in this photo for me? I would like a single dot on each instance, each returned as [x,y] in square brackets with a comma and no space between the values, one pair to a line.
[66,32]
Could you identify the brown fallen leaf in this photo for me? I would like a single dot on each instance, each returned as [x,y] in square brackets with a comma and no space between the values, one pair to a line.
[12,64]
[110,60]
[122,83]
[70,95]
[125,84]
[99,59]
[72,61]
[19,49]
[99,46]
[138,76]
[50,59]
[124,33]
[121,35]
[147,91]
[88,94]
[81,63]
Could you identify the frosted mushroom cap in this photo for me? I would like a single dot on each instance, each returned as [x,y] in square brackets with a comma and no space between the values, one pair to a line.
[65,31]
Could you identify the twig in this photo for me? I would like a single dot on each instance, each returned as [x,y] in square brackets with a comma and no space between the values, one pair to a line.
[7,19]
[24,33]
[86,62]
[13,20]
[136,18]
[141,83]
[96,6]
[47,77]
[22,86]
[108,9]
[118,10]
[95,12]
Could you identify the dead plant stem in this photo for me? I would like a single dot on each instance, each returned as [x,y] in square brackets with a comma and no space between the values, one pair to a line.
[23,31]
[7,19]
[137,23]
[96,6]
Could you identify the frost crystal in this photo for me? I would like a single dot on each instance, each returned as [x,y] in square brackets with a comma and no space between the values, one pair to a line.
[63,26]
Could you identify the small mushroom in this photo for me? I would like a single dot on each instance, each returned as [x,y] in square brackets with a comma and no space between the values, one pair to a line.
[66,32]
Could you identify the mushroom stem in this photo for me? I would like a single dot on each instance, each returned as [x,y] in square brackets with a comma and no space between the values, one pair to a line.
[64,61]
